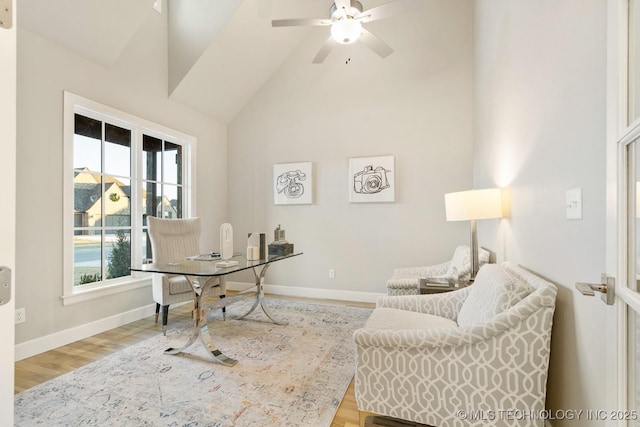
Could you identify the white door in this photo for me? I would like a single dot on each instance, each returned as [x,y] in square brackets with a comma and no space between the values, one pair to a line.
[623,188]
[7,211]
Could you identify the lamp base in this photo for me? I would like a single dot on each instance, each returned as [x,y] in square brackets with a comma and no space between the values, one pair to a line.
[475,264]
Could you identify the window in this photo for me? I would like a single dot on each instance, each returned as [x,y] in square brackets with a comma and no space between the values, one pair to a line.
[119,169]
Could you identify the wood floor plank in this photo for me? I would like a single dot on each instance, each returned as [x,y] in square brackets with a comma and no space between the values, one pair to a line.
[38,369]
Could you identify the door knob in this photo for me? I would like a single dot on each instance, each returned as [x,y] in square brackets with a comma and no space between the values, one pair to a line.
[606,287]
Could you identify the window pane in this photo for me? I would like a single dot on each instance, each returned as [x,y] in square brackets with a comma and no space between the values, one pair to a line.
[634,60]
[146,246]
[633,203]
[87,144]
[150,200]
[117,150]
[118,250]
[151,157]
[172,163]
[87,257]
[117,202]
[171,202]
[87,203]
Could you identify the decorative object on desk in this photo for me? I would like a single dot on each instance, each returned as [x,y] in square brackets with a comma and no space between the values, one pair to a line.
[294,375]
[226,246]
[473,205]
[256,246]
[293,183]
[213,256]
[372,179]
[280,246]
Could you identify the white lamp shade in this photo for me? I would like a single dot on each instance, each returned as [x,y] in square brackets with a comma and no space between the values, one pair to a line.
[473,204]
[346,30]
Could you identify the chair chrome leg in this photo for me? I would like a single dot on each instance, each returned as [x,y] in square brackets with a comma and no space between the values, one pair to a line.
[224,310]
[157,311]
[165,318]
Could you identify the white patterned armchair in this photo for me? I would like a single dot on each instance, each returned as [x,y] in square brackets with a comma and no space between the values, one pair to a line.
[406,280]
[481,350]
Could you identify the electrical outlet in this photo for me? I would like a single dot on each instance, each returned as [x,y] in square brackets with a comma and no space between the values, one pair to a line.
[332,273]
[21,315]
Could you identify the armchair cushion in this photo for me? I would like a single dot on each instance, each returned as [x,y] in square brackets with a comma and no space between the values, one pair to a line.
[178,285]
[460,263]
[492,293]
[384,318]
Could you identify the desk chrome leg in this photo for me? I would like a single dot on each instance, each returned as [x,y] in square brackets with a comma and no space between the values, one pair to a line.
[201,329]
[194,333]
[212,348]
[261,300]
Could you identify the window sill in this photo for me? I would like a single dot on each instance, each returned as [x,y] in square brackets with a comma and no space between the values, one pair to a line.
[89,294]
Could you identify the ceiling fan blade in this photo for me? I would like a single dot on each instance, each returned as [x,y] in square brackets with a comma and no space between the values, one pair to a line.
[375,44]
[324,50]
[299,22]
[343,4]
[388,9]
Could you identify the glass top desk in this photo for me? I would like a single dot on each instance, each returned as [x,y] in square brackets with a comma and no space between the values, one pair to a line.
[208,269]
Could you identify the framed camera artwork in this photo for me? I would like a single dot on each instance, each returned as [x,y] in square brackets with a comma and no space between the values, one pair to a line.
[293,183]
[372,179]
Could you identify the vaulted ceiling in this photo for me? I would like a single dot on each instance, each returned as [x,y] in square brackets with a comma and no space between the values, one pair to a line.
[220,52]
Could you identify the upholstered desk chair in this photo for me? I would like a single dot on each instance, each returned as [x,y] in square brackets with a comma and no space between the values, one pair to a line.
[406,280]
[486,347]
[173,240]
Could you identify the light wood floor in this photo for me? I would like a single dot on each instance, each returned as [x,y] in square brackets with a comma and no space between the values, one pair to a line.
[42,367]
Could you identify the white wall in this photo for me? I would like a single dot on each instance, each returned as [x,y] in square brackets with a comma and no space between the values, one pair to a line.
[416,104]
[136,84]
[540,76]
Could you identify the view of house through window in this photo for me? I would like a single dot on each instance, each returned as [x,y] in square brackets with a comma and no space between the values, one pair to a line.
[121,175]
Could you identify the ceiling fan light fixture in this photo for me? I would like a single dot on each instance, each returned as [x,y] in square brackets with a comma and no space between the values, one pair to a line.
[346,31]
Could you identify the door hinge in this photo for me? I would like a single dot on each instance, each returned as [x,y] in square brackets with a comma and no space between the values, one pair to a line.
[5,285]
[607,287]
[6,14]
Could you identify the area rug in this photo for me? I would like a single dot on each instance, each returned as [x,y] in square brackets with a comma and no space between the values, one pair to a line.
[293,375]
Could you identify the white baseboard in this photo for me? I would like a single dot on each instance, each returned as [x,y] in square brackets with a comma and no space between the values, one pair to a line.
[58,339]
[318,293]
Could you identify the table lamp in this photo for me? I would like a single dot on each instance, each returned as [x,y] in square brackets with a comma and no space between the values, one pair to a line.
[473,205]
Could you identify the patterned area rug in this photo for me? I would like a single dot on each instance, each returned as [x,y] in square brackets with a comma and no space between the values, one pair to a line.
[294,375]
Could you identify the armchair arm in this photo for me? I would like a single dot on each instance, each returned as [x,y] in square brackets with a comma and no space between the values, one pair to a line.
[444,305]
[426,271]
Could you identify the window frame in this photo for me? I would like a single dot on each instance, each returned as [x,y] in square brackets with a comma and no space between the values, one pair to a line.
[74,104]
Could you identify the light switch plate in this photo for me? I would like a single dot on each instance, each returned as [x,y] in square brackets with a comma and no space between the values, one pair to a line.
[574,203]
[6,14]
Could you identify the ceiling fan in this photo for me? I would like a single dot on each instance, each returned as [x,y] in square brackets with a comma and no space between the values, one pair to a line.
[346,19]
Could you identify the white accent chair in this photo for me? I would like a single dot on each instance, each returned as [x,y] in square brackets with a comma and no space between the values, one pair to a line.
[406,280]
[483,348]
[173,240]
